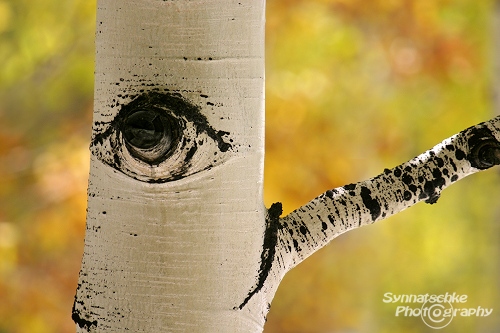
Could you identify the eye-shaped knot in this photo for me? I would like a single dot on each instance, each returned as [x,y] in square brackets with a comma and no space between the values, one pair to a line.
[485,154]
[160,137]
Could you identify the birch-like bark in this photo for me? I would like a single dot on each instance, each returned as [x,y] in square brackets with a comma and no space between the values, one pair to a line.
[175,245]
[177,237]
[423,178]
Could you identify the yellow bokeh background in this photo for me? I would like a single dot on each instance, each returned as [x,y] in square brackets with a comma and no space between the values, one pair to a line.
[352,87]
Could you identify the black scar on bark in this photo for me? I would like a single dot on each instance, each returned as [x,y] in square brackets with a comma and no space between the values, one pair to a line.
[82,322]
[429,192]
[157,103]
[303,230]
[407,179]
[331,219]
[268,249]
[459,154]
[324,226]
[350,187]
[397,172]
[370,203]
[407,195]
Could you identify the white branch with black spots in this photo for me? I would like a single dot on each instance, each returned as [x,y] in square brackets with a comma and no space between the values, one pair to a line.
[423,178]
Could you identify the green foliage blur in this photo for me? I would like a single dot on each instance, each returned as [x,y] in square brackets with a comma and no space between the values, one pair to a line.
[353,86]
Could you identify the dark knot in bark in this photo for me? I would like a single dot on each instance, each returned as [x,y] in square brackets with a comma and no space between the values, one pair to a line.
[484,148]
[485,154]
[150,133]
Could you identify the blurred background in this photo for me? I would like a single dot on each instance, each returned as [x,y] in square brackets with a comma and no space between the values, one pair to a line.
[353,86]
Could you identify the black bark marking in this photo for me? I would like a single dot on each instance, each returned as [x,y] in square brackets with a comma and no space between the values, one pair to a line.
[332,221]
[223,146]
[324,226]
[82,322]
[350,187]
[459,154]
[429,193]
[370,203]
[407,179]
[191,152]
[453,165]
[407,195]
[303,230]
[268,249]
[438,180]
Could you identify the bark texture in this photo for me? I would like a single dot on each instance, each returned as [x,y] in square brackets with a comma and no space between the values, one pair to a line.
[175,228]
[423,178]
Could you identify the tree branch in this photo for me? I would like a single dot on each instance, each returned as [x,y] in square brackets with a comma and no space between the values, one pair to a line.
[336,211]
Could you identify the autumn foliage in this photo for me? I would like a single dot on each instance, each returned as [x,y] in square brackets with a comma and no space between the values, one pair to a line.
[352,86]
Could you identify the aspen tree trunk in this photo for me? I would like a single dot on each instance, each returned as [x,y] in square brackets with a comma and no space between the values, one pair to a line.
[176,251]
[177,237]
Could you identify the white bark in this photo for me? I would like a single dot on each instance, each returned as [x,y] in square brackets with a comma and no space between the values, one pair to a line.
[315,224]
[177,256]
[177,238]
